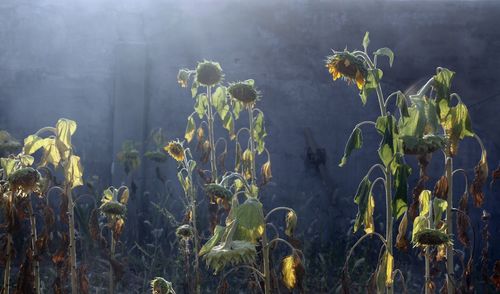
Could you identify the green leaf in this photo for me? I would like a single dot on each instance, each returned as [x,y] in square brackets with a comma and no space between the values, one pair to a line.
[355,142]
[219,102]
[213,241]
[442,84]
[362,198]
[400,200]
[259,132]
[424,198]
[201,105]
[390,145]
[386,52]
[439,207]
[372,80]
[366,40]
[419,224]
[51,153]
[401,103]
[237,107]
[228,124]
[190,129]
[8,165]
[250,221]
[194,89]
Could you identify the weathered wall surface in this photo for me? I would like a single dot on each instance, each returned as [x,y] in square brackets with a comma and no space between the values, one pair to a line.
[64,58]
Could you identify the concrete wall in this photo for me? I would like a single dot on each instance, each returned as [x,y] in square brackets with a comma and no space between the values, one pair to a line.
[59,58]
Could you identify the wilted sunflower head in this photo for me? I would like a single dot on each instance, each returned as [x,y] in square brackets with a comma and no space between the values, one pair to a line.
[347,66]
[425,145]
[216,192]
[184,231]
[8,144]
[208,73]
[24,180]
[244,92]
[175,149]
[161,286]
[113,208]
[431,237]
[183,77]
[238,252]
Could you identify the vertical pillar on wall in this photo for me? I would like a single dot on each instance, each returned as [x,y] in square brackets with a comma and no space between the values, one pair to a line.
[129,111]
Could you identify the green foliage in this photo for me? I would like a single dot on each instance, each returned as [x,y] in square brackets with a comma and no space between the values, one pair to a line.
[385,52]
[400,200]
[362,200]
[372,81]
[355,142]
[259,132]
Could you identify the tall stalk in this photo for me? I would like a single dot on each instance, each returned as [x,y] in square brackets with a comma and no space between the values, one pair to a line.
[36,267]
[72,243]
[449,225]
[8,260]
[112,255]
[211,139]
[252,143]
[192,202]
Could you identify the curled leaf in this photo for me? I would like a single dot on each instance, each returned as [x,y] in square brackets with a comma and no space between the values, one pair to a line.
[441,188]
[292,271]
[481,174]
[265,171]
[463,221]
[291,223]
[401,241]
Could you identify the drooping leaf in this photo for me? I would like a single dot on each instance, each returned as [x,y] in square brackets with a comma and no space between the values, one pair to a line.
[73,171]
[259,132]
[201,105]
[419,223]
[124,196]
[266,172]
[439,206]
[65,128]
[401,241]
[8,165]
[219,101]
[250,217]
[480,177]
[391,144]
[51,153]
[228,124]
[388,271]
[190,129]
[291,270]
[424,199]
[368,218]
[402,105]
[400,200]
[386,52]
[32,144]
[194,89]
[366,40]
[441,188]
[291,223]
[442,83]
[362,198]
[463,220]
[372,80]
[213,241]
[355,142]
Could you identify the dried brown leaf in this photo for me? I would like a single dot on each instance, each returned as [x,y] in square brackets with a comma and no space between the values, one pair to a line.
[441,188]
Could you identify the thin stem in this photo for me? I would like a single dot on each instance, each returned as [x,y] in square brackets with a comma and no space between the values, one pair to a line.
[389,219]
[213,162]
[252,145]
[111,257]
[72,245]
[276,209]
[346,263]
[398,271]
[377,165]
[449,224]
[36,268]
[6,273]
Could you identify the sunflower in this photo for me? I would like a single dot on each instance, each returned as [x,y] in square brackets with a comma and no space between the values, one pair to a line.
[243,92]
[431,237]
[114,209]
[175,149]
[24,180]
[184,232]
[208,73]
[161,286]
[231,253]
[347,66]
[218,193]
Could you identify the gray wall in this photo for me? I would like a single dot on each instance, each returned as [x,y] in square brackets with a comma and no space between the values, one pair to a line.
[73,59]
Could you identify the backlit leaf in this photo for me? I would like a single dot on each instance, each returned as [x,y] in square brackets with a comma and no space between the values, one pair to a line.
[213,241]
[250,221]
[386,52]
[190,129]
[259,132]
[400,201]
[366,40]
[362,198]
[355,142]
[201,105]
[372,80]
[73,171]
[65,128]
[439,206]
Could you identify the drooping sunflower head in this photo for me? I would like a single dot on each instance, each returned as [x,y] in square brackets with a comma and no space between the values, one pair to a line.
[218,192]
[184,232]
[24,180]
[431,237]
[183,77]
[244,92]
[175,149]
[161,286]
[8,144]
[346,65]
[238,252]
[425,145]
[208,73]
[114,209]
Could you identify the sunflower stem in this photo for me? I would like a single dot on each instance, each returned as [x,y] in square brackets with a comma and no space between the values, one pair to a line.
[449,225]
[213,162]
[252,144]
[36,267]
